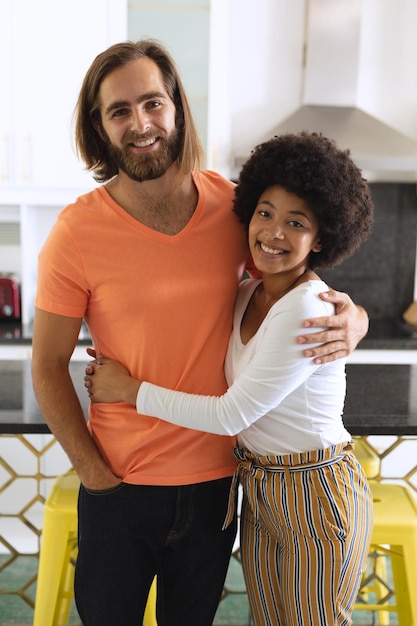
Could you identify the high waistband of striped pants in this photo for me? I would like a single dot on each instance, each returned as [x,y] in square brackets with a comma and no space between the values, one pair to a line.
[257,465]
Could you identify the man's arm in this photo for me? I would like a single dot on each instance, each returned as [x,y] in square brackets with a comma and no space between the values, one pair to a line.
[345,329]
[54,339]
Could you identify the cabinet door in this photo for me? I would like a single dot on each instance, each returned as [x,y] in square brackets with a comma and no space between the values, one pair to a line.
[6,75]
[49,45]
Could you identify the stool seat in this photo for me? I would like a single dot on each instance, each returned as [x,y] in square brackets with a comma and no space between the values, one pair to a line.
[55,585]
[366,456]
[395,534]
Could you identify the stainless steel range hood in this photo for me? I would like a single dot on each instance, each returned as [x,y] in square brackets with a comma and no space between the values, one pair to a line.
[379,150]
[331,102]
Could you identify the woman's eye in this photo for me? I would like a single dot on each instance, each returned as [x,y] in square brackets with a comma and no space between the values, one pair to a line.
[263,213]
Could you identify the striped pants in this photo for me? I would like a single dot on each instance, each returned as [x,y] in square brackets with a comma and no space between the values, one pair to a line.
[306,527]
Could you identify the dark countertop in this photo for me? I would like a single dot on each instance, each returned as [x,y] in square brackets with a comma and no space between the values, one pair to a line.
[13,332]
[19,410]
[385,334]
[381,399]
[389,334]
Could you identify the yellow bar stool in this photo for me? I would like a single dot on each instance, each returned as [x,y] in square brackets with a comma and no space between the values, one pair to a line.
[395,534]
[372,584]
[54,591]
[367,457]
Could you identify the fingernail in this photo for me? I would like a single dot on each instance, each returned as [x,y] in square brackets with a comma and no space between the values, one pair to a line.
[308,353]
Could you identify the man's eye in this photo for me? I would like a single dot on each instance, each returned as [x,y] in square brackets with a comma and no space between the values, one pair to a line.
[154,104]
[120,112]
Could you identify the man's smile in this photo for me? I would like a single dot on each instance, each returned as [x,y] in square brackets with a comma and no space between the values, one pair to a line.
[144,143]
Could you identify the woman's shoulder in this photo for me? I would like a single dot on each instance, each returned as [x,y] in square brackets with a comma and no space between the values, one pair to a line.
[313,286]
[305,299]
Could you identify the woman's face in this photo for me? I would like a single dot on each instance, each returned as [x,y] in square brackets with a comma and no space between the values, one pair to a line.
[282,232]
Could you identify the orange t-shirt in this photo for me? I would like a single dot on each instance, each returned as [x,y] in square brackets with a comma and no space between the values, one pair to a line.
[160,304]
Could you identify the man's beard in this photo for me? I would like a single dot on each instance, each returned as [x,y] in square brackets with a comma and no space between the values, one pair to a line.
[150,165]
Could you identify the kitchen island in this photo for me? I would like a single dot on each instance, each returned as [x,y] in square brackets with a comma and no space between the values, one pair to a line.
[381,400]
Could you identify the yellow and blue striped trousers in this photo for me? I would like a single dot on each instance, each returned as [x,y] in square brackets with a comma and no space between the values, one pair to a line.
[306,526]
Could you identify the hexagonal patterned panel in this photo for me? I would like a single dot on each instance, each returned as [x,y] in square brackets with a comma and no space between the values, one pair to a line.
[30,463]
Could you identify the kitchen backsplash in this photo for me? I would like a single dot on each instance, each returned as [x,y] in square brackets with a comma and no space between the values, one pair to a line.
[380,275]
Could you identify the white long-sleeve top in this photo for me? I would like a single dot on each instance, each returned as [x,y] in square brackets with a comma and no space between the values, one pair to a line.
[278,400]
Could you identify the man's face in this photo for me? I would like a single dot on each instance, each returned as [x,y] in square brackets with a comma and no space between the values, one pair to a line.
[138,120]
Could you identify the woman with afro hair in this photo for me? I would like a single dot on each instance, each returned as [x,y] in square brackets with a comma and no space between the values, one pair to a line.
[306,516]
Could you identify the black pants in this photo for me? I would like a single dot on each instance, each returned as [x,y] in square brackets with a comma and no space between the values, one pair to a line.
[130,533]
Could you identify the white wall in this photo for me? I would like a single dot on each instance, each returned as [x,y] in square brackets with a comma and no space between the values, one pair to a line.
[184,28]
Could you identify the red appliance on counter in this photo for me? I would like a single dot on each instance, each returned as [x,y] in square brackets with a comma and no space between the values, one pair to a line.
[9,299]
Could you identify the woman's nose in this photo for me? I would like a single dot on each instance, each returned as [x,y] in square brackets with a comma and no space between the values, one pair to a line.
[277,232]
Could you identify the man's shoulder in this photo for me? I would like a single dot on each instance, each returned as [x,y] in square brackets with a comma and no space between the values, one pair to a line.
[90,200]
[90,197]
[212,178]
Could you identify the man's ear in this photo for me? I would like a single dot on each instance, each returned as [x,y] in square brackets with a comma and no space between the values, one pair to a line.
[99,128]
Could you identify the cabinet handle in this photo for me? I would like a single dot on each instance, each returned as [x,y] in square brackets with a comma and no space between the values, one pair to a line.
[26,156]
[4,159]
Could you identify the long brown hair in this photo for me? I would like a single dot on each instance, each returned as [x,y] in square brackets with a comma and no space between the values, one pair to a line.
[90,146]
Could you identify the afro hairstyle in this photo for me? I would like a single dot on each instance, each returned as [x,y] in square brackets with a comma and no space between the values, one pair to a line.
[311,166]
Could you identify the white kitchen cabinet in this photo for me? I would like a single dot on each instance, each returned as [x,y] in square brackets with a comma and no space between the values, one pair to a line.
[45,48]
[282,75]
[387,86]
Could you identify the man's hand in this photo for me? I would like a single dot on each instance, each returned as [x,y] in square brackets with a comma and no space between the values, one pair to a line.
[344,331]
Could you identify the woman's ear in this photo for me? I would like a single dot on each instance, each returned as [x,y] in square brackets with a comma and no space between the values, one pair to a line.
[317,246]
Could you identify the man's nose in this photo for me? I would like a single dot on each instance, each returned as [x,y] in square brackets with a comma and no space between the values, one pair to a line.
[141,121]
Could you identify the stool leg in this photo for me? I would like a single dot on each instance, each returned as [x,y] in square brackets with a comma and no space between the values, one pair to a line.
[149,618]
[395,533]
[381,572]
[372,583]
[400,586]
[403,570]
[410,560]
[66,587]
[56,529]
